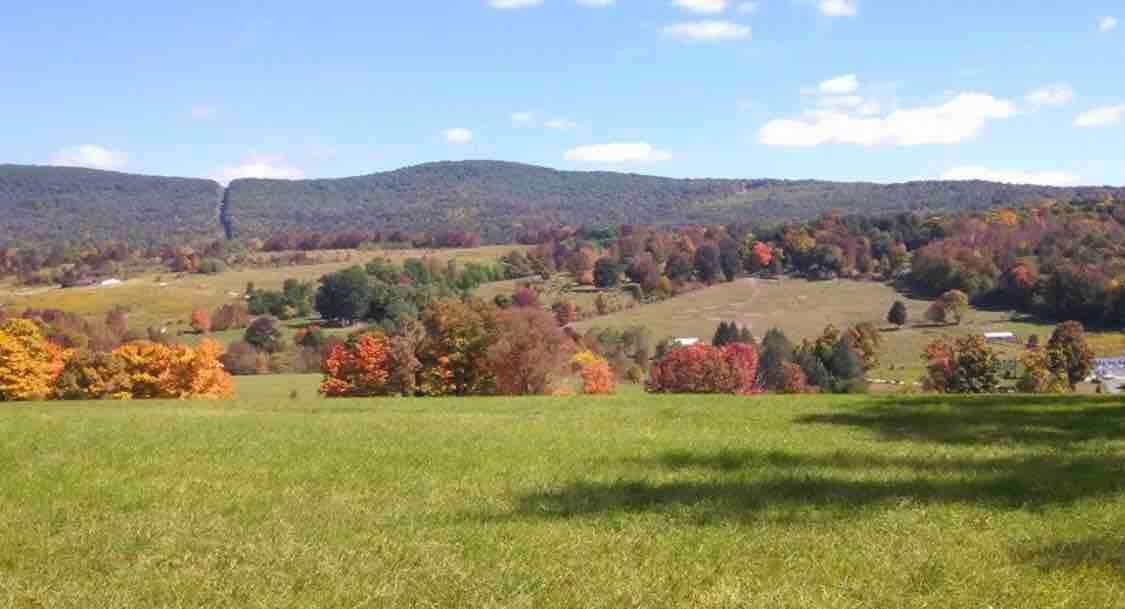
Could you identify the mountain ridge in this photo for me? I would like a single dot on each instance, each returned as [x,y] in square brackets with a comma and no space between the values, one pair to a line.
[496,198]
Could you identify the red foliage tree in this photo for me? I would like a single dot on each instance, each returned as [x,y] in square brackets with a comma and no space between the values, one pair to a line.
[358,368]
[706,369]
[529,352]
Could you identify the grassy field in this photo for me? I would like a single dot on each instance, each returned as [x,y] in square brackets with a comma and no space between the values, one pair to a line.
[630,501]
[803,308]
[158,299]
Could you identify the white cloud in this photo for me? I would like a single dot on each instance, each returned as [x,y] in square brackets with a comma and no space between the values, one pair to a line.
[707,31]
[841,85]
[1107,24]
[958,119]
[839,8]
[596,3]
[1051,95]
[747,8]
[523,119]
[1011,176]
[1100,117]
[635,152]
[458,135]
[255,165]
[708,7]
[560,124]
[91,156]
[203,112]
[511,4]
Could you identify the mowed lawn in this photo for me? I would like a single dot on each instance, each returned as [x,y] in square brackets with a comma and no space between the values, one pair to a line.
[630,501]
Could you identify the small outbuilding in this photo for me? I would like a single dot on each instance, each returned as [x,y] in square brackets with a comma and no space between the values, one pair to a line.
[685,342]
[1000,337]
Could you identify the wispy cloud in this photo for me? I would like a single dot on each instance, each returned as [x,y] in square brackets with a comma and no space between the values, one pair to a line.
[708,7]
[616,153]
[1051,95]
[513,4]
[1100,117]
[458,135]
[1107,24]
[839,8]
[91,156]
[708,31]
[256,165]
[1011,176]
[961,118]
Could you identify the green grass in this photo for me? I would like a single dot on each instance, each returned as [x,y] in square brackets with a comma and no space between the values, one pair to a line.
[630,501]
[803,308]
[159,299]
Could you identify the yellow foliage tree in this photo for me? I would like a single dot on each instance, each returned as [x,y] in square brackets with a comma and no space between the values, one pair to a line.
[29,364]
[176,371]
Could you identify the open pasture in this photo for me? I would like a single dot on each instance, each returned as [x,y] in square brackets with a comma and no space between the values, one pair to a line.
[629,501]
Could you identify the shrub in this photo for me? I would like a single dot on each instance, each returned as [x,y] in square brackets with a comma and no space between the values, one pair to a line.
[358,368]
[230,317]
[596,373]
[898,314]
[241,359]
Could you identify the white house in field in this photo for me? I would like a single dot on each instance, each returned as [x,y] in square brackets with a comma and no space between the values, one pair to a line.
[685,342]
[1000,337]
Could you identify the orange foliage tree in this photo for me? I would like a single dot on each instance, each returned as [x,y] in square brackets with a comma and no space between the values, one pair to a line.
[180,372]
[29,364]
[200,321]
[358,368]
[705,369]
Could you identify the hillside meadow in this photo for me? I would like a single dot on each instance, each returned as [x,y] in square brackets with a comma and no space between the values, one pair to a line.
[284,499]
[164,298]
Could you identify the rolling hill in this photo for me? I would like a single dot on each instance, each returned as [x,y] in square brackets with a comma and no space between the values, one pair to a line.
[50,204]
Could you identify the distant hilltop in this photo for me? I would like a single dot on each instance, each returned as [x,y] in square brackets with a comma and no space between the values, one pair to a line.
[62,204]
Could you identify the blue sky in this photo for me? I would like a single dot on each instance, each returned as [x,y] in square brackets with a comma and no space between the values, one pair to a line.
[879,90]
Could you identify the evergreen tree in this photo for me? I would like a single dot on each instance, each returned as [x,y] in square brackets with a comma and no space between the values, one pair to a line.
[898,314]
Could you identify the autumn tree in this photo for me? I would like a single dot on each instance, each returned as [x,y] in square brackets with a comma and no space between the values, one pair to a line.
[1073,355]
[963,365]
[898,315]
[529,352]
[265,335]
[160,371]
[707,263]
[733,369]
[607,273]
[93,375]
[29,364]
[454,353]
[357,368]
[200,321]
[1042,373]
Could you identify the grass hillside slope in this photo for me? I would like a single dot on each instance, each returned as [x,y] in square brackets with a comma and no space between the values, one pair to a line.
[630,501]
[69,204]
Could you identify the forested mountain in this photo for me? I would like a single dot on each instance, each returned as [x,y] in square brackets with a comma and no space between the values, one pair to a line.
[57,204]
[498,199]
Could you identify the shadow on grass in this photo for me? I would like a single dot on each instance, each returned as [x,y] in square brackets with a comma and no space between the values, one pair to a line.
[748,482]
[742,484]
[1058,422]
[1071,555]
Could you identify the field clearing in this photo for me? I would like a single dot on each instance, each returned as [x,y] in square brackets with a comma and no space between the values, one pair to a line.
[158,299]
[803,308]
[630,501]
